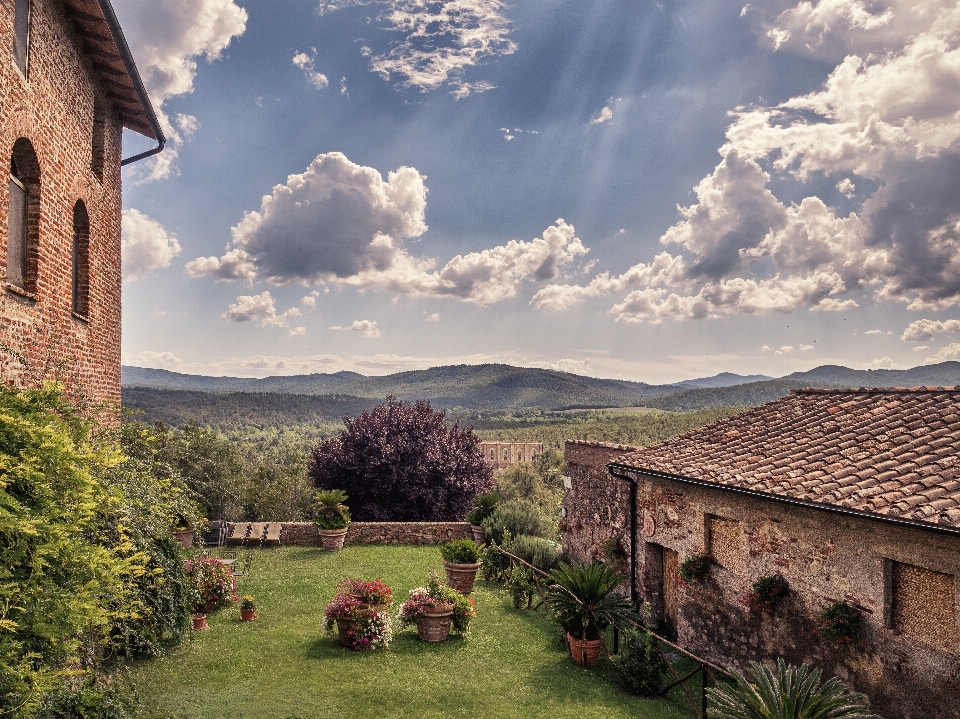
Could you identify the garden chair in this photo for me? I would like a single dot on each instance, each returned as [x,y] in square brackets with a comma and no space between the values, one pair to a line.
[215,534]
[257,530]
[241,569]
[239,533]
[228,557]
[273,533]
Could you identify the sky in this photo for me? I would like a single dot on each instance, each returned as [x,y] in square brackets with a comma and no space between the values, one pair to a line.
[651,191]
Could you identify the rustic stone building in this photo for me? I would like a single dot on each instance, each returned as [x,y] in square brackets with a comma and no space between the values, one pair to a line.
[68,86]
[504,454]
[850,495]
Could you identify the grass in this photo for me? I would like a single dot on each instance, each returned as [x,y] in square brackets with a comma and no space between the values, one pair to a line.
[283,667]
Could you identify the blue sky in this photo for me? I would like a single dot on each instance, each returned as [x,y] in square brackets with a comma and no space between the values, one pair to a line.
[650,191]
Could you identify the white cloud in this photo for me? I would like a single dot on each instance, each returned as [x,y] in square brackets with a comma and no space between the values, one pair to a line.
[878,332]
[806,348]
[298,332]
[340,223]
[880,363]
[605,115]
[847,188]
[765,348]
[166,38]
[441,40]
[435,317]
[154,360]
[924,330]
[786,349]
[950,352]
[920,348]
[310,300]
[367,327]
[146,245]
[305,63]
[259,308]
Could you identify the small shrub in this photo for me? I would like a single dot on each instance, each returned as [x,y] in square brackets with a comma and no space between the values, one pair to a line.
[840,625]
[768,594]
[460,551]
[641,664]
[694,569]
[521,586]
[493,563]
[87,698]
[517,516]
[541,553]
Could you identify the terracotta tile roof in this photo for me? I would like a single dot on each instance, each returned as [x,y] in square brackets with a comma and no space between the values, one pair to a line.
[892,451]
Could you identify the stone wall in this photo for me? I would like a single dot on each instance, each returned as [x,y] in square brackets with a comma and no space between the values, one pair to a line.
[305,533]
[824,556]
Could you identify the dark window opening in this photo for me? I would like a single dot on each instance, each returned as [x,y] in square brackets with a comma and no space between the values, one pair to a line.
[23,217]
[81,260]
[98,139]
[21,33]
[17,229]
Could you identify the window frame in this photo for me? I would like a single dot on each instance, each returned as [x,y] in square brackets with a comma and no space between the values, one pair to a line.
[19,279]
[26,8]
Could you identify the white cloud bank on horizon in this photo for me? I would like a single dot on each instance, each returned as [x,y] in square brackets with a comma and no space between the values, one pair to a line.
[145,245]
[341,223]
[440,40]
[888,114]
[166,37]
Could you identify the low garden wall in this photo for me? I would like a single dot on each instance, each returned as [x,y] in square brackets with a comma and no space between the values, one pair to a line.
[305,533]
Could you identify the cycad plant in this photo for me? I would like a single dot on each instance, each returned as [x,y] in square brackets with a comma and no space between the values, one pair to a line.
[330,510]
[582,600]
[794,693]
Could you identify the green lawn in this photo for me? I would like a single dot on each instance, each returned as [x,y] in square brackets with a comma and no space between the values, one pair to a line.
[283,666]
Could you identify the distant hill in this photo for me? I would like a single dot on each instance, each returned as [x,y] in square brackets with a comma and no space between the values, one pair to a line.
[724,379]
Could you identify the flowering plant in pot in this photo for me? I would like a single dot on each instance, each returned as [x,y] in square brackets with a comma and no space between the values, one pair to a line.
[332,517]
[768,594]
[361,613]
[461,560]
[483,506]
[436,609]
[694,570]
[840,626]
[582,602]
[212,586]
[248,609]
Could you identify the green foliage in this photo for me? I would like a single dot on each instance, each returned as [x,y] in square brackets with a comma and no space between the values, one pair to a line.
[768,594]
[612,550]
[541,553]
[483,506]
[793,693]
[330,512]
[517,516]
[694,568]
[583,603]
[493,563]
[641,665]
[460,551]
[840,625]
[521,585]
[539,483]
[85,698]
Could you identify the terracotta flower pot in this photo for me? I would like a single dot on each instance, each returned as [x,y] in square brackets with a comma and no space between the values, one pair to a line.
[344,629]
[584,653]
[461,576]
[332,538]
[199,621]
[184,538]
[479,536]
[434,624]
[248,615]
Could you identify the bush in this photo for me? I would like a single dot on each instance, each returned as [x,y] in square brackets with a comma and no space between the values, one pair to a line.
[517,516]
[541,553]
[212,586]
[461,551]
[87,699]
[483,506]
[641,664]
[521,585]
[493,563]
[840,625]
[400,462]
[768,594]
[694,569]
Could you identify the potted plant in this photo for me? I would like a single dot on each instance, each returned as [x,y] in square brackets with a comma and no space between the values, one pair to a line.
[361,613]
[768,594]
[840,625]
[484,504]
[331,517]
[461,560]
[582,601]
[248,609]
[694,570]
[211,586]
[435,609]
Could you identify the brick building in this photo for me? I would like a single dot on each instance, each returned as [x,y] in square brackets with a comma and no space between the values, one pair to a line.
[504,454]
[68,87]
[851,495]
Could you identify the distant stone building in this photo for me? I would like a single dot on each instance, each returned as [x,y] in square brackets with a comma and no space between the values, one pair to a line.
[851,495]
[68,86]
[504,454]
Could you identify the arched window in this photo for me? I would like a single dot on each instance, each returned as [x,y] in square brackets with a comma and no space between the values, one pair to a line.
[21,34]
[23,217]
[81,259]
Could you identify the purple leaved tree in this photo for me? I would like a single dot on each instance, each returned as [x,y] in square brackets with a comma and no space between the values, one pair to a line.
[400,462]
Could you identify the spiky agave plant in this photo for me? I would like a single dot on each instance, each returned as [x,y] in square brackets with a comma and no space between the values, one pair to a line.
[794,693]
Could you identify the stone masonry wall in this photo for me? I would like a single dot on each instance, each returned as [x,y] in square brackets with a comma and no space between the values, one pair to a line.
[824,556]
[52,108]
[414,533]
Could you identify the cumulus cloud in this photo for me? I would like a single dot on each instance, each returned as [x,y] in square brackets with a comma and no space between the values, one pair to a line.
[435,317]
[889,113]
[439,41]
[298,331]
[166,38]
[310,300]
[806,348]
[925,330]
[367,327]
[950,352]
[154,360]
[878,332]
[921,348]
[146,245]
[305,63]
[341,223]
[260,308]
[880,363]
[605,115]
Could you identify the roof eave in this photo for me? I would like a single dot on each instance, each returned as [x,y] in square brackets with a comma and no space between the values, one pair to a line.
[617,466]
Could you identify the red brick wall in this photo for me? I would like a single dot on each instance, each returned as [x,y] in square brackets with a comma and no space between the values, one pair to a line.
[53,109]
